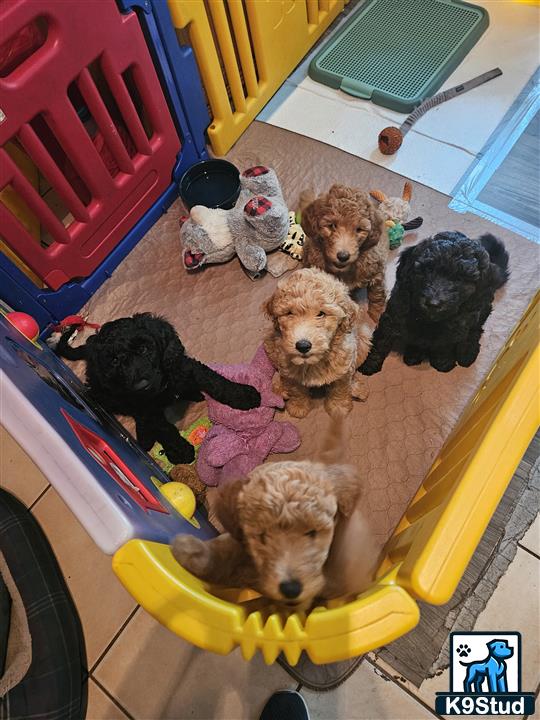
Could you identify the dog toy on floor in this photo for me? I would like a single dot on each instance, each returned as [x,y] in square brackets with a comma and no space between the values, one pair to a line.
[390,138]
[256,225]
[293,244]
[292,249]
[396,212]
[239,441]
[194,434]
[185,473]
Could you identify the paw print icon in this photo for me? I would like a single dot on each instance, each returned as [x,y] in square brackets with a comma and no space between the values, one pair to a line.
[463,650]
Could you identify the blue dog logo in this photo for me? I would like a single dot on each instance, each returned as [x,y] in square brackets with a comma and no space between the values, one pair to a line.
[492,669]
[491,686]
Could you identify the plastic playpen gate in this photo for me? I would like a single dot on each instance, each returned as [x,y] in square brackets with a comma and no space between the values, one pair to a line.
[245,49]
[98,130]
[117,500]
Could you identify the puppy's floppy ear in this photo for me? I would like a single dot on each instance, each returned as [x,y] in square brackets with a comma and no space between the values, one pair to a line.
[169,344]
[311,218]
[405,262]
[269,309]
[346,487]
[377,227]
[469,268]
[313,255]
[351,310]
[225,505]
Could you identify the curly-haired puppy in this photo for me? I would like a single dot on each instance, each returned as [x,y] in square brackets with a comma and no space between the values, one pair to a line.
[317,341]
[137,366]
[346,237]
[442,297]
[288,526]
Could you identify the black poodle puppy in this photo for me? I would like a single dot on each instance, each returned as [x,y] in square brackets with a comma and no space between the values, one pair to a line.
[137,366]
[442,297]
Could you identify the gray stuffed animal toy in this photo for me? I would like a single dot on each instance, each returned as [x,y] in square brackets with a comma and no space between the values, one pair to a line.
[256,225]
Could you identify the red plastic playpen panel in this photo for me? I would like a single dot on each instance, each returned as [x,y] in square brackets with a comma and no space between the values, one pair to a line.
[80,95]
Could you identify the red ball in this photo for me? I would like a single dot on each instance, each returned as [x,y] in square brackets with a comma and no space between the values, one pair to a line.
[25,324]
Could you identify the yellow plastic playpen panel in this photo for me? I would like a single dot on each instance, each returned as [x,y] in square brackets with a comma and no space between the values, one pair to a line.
[186,606]
[425,558]
[449,514]
[13,201]
[245,49]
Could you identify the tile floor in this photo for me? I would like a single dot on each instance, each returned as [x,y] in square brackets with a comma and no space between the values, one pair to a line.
[141,671]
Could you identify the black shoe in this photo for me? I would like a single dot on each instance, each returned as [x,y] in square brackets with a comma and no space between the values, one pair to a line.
[285,705]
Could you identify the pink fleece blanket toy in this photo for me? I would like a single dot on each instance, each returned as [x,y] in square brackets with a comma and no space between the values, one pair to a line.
[239,440]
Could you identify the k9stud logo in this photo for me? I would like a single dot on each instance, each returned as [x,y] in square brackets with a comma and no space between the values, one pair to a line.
[485,676]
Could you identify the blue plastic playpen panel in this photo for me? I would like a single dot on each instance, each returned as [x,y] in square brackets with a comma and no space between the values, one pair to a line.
[181,84]
[62,400]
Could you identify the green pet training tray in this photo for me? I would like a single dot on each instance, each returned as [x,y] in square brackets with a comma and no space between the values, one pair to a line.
[397,53]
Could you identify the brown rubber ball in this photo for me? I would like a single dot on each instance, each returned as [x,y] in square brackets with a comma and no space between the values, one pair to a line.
[390,140]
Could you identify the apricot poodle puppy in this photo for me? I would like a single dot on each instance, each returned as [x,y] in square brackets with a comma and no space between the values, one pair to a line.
[316,342]
[281,523]
[346,236]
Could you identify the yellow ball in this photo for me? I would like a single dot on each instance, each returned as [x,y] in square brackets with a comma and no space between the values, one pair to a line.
[181,498]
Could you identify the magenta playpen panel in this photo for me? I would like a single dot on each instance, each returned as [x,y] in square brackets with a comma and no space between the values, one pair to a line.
[81,102]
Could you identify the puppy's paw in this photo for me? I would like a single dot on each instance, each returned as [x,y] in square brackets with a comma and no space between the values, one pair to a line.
[467,354]
[442,364]
[192,553]
[180,455]
[412,356]
[371,365]
[277,387]
[338,408]
[245,398]
[146,441]
[359,387]
[298,407]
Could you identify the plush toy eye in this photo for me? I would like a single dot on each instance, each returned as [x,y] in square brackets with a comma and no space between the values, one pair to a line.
[331,226]
[321,314]
[311,533]
[115,361]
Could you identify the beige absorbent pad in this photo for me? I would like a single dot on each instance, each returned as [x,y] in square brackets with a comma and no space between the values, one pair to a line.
[393,437]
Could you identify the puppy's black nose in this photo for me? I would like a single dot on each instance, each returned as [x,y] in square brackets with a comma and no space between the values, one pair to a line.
[290,589]
[141,384]
[303,346]
[343,256]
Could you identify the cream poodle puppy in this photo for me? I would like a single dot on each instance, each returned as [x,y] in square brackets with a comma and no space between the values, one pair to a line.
[317,341]
[294,532]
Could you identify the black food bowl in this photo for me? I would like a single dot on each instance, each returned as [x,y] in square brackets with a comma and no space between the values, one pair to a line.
[212,183]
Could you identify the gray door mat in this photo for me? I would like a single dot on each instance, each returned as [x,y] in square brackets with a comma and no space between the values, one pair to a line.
[423,652]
